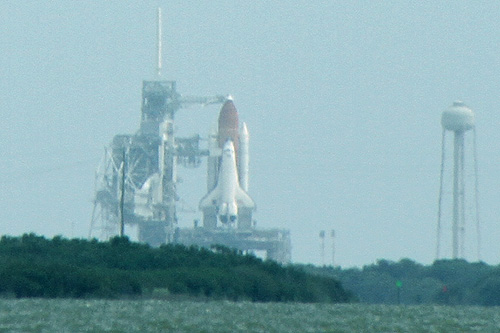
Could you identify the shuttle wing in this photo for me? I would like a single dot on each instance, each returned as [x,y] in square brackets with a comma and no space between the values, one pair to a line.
[243,199]
[211,199]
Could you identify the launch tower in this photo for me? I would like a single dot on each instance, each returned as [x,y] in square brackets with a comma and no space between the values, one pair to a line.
[136,183]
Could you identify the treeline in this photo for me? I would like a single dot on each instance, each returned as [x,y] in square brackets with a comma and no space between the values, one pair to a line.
[453,282]
[33,266]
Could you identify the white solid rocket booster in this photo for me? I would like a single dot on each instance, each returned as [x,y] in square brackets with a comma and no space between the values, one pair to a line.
[243,158]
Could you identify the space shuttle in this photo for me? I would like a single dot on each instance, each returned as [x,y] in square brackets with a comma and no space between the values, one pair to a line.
[227,196]
[227,200]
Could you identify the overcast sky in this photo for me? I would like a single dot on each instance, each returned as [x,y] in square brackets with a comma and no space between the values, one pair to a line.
[342,99]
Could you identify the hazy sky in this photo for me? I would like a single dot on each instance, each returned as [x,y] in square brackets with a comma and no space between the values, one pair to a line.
[342,99]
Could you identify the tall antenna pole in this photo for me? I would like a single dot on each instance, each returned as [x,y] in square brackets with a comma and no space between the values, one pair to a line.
[122,196]
[332,234]
[476,194]
[462,201]
[457,195]
[158,68]
[440,198]
[322,238]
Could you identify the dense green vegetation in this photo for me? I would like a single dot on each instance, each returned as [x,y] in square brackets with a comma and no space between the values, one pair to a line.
[453,282]
[32,266]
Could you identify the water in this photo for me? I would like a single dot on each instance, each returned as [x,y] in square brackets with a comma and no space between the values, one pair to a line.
[38,315]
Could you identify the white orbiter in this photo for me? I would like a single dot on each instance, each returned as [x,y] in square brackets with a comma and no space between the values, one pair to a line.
[227,195]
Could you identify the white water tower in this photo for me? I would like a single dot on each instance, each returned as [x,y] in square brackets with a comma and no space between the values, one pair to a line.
[458,119]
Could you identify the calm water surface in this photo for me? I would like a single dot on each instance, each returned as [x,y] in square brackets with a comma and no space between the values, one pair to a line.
[37,315]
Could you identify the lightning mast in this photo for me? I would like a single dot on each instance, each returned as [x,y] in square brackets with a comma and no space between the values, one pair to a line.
[159,63]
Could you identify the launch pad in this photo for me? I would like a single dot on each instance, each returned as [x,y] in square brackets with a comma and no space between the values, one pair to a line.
[275,242]
[136,183]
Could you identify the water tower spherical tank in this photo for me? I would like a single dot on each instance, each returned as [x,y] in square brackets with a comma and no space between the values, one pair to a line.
[458,117]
